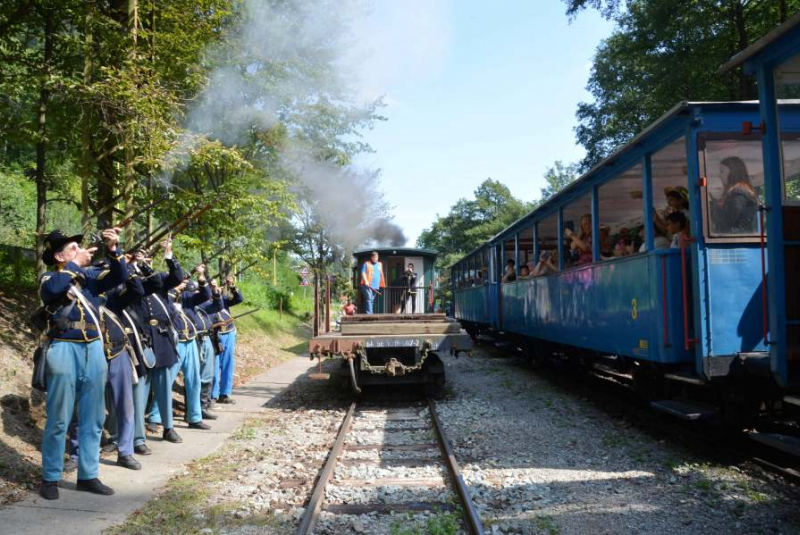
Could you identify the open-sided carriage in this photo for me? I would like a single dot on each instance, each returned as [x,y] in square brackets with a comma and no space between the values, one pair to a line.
[403,347]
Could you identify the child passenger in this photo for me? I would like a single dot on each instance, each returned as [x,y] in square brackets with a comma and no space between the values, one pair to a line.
[678,227]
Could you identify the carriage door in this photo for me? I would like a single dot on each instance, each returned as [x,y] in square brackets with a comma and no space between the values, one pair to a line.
[416,302]
[791,254]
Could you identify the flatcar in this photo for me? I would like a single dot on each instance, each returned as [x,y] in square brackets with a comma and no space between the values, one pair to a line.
[403,341]
[652,266]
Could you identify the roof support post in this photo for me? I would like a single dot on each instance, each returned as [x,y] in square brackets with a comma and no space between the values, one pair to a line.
[535,235]
[595,224]
[560,238]
[647,195]
[516,254]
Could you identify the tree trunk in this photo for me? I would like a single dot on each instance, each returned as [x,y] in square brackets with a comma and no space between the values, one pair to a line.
[782,9]
[128,179]
[745,85]
[41,145]
[86,140]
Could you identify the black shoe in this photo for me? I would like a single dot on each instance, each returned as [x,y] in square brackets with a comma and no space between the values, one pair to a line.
[70,465]
[171,436]
[199,425]
[225,400]
[94,486]
[152,428]
[49,490]
[208,416]
[142,449]
[127,461]
[109,447]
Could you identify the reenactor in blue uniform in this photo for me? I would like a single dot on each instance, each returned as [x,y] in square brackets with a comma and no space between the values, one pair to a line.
[122,362]
[76,367]
[219,311]
[208,358]
[153,319]
[182,307]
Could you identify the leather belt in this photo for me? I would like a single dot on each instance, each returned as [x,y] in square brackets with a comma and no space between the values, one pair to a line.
[81,326]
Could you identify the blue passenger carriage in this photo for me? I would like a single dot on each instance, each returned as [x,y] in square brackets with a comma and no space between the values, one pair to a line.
[607,269]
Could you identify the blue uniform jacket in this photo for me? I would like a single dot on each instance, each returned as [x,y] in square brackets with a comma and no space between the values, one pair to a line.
[117,328]
[184,316]
[154,320]
[55,285]
[219,309]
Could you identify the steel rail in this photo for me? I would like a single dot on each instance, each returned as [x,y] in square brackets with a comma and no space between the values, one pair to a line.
[315,503]
[470,513]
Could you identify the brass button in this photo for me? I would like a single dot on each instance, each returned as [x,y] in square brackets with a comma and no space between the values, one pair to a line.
[153,322]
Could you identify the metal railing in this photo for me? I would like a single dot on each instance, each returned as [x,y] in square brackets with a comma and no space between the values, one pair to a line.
[399,300]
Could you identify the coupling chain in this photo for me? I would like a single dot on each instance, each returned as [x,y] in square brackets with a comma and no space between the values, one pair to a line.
[392,367]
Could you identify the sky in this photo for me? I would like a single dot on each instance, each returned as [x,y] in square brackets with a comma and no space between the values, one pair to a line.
[474,89]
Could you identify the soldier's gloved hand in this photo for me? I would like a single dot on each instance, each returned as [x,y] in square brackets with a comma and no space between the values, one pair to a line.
[201,272]
[111,237]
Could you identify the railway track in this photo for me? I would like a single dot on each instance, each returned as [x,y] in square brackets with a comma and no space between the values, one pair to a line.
[413,444]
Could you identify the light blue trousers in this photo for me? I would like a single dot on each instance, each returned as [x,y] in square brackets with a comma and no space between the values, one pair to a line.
[120,420]
[75,373]
[189,364]
[226,365]
[209,361]
[141,391]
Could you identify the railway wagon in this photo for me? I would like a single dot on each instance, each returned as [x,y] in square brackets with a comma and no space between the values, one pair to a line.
[403,342]
[605,272]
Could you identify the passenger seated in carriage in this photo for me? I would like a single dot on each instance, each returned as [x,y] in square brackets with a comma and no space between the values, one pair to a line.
[524,272]
[736,211]
[510,274]
[581,244]
[677,201]
[545,265]
[678,227]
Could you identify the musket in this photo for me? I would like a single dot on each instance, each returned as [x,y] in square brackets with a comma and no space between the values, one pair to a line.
[248,266]
[212,257]
[128,220]
[230,320]
[177,226]
[96,238]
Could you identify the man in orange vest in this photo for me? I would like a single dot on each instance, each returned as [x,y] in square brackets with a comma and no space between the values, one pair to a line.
[372,280]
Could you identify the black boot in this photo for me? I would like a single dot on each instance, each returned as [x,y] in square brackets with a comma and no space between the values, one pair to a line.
[49,490]
[225,400]
[199,425]
[127,461]
[171,436]
[94,486]
[142,449]
[208,416]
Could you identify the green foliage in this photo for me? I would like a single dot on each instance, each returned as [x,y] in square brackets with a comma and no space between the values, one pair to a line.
[663,52]
[471,222]
[558,177]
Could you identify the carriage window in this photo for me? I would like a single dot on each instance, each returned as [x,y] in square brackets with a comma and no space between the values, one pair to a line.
[508,269]
[735,173]
[578,232]
[621,214]
[670,194]
[547,234]
[526,263]
[791,170]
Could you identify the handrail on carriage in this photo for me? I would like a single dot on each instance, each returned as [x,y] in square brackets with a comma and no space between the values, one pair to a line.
[687,342]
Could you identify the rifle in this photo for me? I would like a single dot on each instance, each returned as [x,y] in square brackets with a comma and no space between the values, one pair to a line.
[223,323]
[177,226]
[95,237]
[248,266]
[212,257]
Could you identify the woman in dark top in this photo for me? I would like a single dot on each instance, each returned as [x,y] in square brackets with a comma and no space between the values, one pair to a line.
[738,207]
